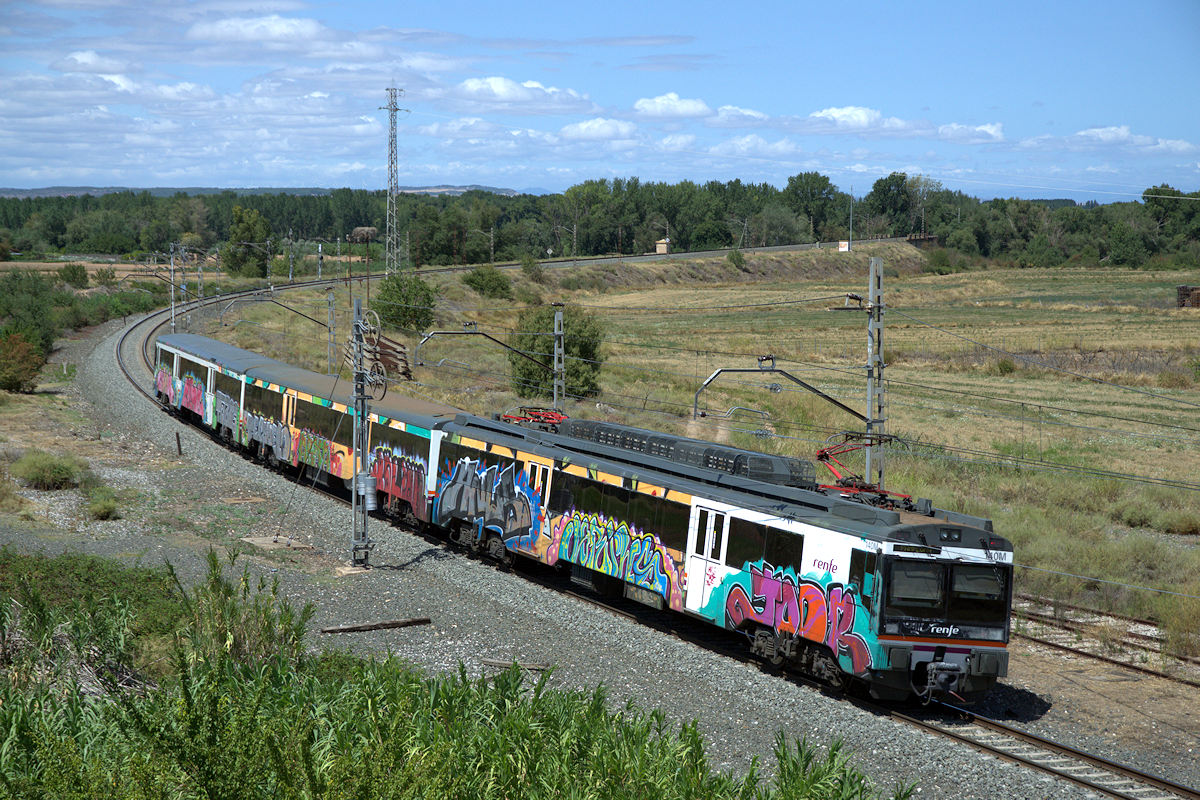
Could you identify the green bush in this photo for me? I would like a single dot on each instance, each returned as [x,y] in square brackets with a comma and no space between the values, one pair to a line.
[106,276]
[74,275]
[533,269]
[489,282]
[736,259]
[42,470]
[405,301]
[102,503]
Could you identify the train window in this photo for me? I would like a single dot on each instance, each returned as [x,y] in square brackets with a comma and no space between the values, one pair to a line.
[862,575]
[263,402]
[324,422]
[746,542]
[673,524]
[562,491]
[978,594]
[615,502]
[641,512]
[227,384]
[718,533]
[917,589]
[188,367]
[784,548]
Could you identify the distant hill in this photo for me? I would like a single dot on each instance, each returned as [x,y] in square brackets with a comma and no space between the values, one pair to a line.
[169,191]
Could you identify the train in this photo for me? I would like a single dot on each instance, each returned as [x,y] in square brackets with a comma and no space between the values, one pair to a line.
[898,599]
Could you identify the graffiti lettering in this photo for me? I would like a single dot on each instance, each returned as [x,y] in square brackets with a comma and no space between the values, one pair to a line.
[312,450]
[803,608]
[225,411]
[400,477]
[490,498]
[164,384]
[193,395]
[612,547]
[272,434]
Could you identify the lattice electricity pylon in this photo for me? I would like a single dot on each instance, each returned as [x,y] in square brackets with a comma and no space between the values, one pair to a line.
[392,248]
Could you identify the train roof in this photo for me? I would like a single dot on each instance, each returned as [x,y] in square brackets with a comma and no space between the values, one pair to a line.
[260,367]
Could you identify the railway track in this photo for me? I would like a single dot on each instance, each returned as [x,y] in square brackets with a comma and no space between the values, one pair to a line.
[1135,644]
[1106,777]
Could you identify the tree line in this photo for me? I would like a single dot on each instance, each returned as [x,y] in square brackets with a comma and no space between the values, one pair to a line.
[621,215]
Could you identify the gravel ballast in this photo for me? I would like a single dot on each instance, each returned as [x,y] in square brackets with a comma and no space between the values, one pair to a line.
[480,613]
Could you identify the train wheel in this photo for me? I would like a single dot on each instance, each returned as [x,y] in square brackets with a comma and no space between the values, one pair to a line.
[498,552]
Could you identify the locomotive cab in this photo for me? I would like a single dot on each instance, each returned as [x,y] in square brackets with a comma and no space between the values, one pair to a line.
[944,616]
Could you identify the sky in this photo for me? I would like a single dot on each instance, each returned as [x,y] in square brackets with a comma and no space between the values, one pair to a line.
[1092,100]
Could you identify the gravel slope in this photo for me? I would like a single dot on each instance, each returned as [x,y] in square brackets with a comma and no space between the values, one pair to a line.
[481,613]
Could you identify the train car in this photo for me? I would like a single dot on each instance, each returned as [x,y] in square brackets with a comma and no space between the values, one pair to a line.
[903,602]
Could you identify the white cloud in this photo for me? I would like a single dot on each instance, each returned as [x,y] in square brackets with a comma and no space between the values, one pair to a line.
[273,28]
[671,106]
[753,145]
[530,96]
[849,116]
[679,141]
[972,134]
[599,129]
[89,61]
[735,117]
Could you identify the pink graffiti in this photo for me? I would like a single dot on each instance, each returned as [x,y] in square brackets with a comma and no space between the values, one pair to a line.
[164,384]
[805,610]
[400,478]
[193,395]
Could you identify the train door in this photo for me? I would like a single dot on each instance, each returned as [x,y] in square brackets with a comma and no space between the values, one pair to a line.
[705,556]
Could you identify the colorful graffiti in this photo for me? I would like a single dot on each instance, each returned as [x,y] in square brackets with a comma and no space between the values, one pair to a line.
[274,435]
[193,395]
[492,498]
[613,548]
[804,608]
[400,476]
[164,384]
[313,450]
[225,412]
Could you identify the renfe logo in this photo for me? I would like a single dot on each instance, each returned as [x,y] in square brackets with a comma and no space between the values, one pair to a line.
[945,630]
[828,566]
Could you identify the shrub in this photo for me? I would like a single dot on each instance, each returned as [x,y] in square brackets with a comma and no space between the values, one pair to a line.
[74,275]
[1005,366]
[1181,523]
[736,259]
[42,470]
[106,276]
[533,269]
[20,362]
[102,503]
[406,301]
[1173,379]
[489,282]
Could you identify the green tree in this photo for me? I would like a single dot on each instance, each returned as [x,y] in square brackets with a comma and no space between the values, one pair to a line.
[889,198]
[74,274]
[811,194]
[247,251]
[406,301]
[20,363]
[583,334]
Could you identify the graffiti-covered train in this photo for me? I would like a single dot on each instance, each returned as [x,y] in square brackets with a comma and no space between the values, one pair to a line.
[901,602]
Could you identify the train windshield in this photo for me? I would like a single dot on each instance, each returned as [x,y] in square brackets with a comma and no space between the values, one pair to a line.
[962,593]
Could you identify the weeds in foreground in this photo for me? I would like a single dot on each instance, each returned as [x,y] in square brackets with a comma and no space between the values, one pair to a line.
[42,470]
[249,713]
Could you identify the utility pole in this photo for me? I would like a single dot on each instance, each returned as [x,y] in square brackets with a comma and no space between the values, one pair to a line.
[850,241]
[560,389]
[392,262]
[172,287]
[875,404]
[363,498]
[329,329]
[320,259]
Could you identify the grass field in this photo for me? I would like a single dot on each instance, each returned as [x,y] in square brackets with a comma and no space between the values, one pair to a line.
[1061,403]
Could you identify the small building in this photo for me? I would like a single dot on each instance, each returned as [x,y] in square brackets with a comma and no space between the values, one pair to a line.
[1187,296]
[662,247]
